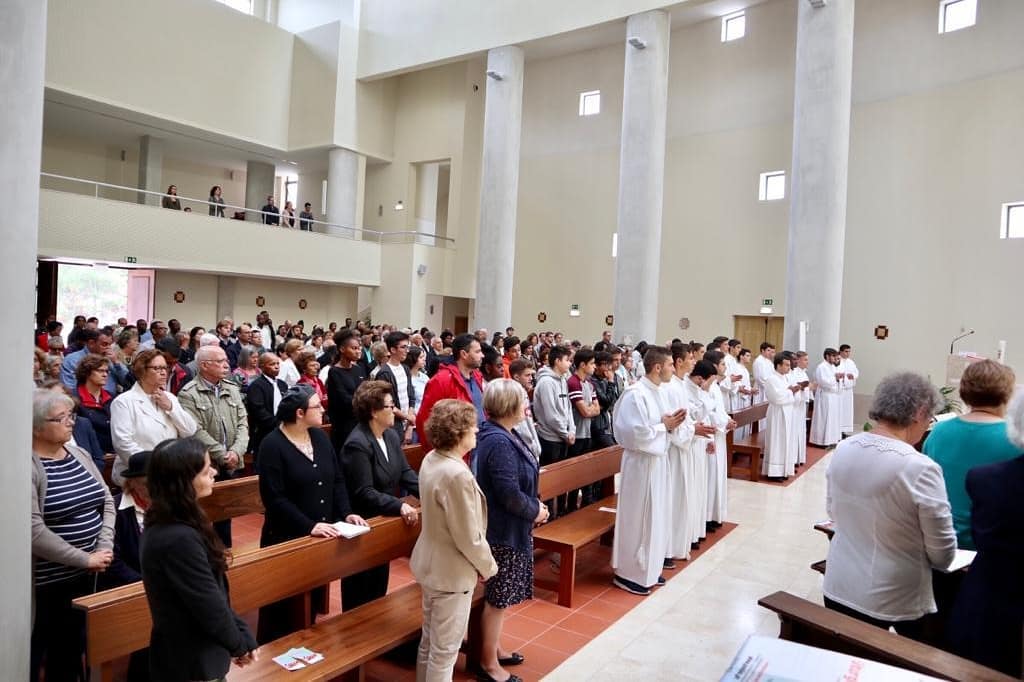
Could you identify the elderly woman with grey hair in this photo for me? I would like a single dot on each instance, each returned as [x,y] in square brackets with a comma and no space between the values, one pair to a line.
[988,617]
[892,518]
[72,536]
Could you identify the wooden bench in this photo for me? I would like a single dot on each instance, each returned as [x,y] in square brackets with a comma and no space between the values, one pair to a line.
[750,448]
[567,534]
[118,621]
[808,623]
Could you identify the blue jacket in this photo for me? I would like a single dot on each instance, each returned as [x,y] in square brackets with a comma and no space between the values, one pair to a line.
[508,476]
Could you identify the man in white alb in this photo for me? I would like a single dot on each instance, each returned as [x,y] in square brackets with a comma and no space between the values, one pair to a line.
[680,461]
[762,369]
[798,375]
[700,408]
[642,424]
[825,423]
[850,373]
[718,463]
[779,453]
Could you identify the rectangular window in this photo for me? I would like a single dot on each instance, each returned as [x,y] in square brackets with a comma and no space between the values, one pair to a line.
[590,103]
[734,26]
[615,244]
[957,14]
[1012,224]
[772,186]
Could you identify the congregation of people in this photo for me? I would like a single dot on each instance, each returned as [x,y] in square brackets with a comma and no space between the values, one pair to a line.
[269,214]
[180,410]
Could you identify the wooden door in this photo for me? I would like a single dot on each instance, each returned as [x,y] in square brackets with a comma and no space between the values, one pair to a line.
[461,325]
[140,295]
[753,330]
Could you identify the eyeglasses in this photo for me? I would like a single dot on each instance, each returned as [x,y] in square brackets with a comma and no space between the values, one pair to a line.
[69,418]
[158,368]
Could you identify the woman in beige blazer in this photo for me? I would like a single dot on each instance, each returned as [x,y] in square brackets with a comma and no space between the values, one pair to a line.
[451,555]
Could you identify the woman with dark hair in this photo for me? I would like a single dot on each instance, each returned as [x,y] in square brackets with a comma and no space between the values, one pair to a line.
[195,633]
[189,354]
[170,199]
[309,375]
[216,202]
[93,399]
[72,536]
[378,476]
[303,491]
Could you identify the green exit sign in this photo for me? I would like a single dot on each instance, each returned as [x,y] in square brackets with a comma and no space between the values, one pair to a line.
[766,301]
[131,259]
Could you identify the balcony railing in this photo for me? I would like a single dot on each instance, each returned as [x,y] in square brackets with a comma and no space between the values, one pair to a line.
[106,190]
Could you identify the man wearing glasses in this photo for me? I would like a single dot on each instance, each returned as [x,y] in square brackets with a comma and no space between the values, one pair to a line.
[403,392]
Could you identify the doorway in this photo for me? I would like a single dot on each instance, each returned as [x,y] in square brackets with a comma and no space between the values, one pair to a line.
[753,330]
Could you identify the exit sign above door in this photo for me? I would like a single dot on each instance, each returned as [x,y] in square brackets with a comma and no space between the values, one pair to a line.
[767,301]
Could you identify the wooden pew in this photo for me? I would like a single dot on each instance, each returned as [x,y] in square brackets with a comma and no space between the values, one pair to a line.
[118,621]
[567,534]
[750,448]
[808,623]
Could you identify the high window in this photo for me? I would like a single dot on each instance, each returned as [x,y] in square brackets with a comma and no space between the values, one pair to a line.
[957,14]
[772,186]
[1012,224]
[590,103]
[244,6]
[734,26]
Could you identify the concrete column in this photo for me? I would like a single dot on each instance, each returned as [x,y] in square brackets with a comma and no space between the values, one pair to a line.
[641,176]
[499,188]
[23,35]
[346,179]
[821,146]
[151,165]
[259,183]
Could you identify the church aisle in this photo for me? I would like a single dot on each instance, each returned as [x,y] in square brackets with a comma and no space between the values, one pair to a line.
[691,628]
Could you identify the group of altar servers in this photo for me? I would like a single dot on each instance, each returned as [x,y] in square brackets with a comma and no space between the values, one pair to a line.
[672,425]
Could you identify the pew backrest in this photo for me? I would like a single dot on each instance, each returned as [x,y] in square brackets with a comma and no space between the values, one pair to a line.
[118,621]
[809,623]
[233,498]
[750,415]
[571,474]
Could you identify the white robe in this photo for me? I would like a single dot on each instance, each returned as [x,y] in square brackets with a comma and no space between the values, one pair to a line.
[779,453]
[740,401]
[681,465]
[762,369]
[847,366]
[718,463]
[699,409]
[642,520]
[800,400]
[825,426]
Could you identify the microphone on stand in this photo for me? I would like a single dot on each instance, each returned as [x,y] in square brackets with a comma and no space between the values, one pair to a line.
[964,335]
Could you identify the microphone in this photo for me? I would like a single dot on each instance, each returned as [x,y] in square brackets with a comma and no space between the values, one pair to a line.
[964,335]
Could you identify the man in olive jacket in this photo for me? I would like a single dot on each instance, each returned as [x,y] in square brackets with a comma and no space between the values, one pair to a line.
[218,408]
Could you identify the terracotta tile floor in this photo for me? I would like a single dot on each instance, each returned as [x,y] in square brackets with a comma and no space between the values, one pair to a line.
[544,632]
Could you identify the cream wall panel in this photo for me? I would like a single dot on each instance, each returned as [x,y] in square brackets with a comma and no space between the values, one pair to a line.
[71,225]
[202,64]
[928,174]
[314,81]
[200,305]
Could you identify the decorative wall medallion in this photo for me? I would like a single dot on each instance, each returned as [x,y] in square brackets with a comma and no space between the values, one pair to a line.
[684,323]
[609,320]
[542,317]
[179,296]
[260,301]
[881,332]
[302,303]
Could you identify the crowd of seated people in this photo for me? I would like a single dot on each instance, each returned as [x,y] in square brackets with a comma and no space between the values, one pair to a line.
[259,392]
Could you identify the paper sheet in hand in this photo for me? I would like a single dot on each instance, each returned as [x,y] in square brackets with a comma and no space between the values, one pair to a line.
[963,558]
[350,530]
[767,659]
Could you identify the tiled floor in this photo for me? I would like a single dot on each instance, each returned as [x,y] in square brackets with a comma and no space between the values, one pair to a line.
[687,630]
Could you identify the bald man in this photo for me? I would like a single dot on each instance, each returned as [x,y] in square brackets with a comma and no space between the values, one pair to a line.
[262,398]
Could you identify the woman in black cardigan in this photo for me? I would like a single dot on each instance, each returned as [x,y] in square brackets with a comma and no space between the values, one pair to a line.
[303,493]
[195,633]
[378,476]
[508,475]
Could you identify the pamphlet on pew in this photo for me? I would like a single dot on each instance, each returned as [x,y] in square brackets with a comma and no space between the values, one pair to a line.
[767,659]
[294,659]
[350,530]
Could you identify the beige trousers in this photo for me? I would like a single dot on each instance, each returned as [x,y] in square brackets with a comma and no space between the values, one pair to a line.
[445,618]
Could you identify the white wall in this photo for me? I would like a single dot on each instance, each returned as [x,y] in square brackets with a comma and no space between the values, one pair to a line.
[313,88]
[324,303]
[202,64]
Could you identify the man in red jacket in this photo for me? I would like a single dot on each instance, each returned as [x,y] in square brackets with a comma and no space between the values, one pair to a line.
[459,379]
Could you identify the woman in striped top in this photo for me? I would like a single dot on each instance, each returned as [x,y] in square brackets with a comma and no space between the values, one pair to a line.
[72,536]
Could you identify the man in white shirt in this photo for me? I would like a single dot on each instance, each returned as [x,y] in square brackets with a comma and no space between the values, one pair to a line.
[779,453]
[642,423]
[762,369]
[850,373]
[825,423]
[402,391]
